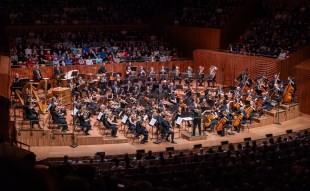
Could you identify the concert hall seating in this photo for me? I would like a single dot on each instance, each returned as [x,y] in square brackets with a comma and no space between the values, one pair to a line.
[275,163]
[79,12]
[277,32]
[211,13]
[111,46]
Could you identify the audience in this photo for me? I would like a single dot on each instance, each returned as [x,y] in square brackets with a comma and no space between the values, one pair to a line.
[277,32]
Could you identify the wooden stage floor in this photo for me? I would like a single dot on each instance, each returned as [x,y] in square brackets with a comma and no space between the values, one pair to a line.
[43,152]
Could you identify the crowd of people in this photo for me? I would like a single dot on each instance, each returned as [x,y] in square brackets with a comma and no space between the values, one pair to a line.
[279,163]
[277,32]
[67,48]
[206,13]
[79,11]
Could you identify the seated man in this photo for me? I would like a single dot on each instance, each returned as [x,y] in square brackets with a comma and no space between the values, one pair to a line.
[58,117]
[85,122]
[166,129]
[31,114]
[141,130]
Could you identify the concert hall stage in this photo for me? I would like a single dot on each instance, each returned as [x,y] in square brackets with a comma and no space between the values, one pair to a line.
[46,143]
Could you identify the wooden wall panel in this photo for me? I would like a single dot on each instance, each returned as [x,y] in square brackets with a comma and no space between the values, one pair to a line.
[303,85]
[231,65]
[191,38]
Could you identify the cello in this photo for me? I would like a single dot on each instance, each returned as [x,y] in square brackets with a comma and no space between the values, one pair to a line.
[237,120]
[287,95]
[219,126]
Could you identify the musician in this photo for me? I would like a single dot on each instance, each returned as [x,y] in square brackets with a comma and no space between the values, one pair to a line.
[102,69]
[242,79]
[58,117]
[111,124]
[128,86]
[177,75]
[37,76]
[291,81]
[84,119]
[140,86]
[103,83]
[141,72]
[152,74]
[189,74]
[201,76]
[75,93]
[91,84]
[166,129]
[196,112]
[57,73]
[92,106]
[128,72]
[115,88]
[275,80]
[79,85]
[141,130]
[266,105]
[118,79]
[211,75]
[31,114]
[172,98]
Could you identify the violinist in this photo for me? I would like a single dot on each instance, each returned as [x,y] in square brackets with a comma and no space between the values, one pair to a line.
[131,122]
[128,72]
[127,87]
[103,83]
[92,105]
[111,124]
[242,79]
[140,86]
[141,130]
[74,92]
[166,131]
[84,119]
[58,117]
[172,98]
[115,88]
[31,114]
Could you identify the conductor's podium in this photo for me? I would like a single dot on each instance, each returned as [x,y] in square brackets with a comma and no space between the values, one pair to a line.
[64,94]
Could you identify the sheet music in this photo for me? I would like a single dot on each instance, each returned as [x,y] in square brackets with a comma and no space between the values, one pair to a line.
[152,122]
[99,115]
[145,117]
[187,118]
[124,119]
[74,111]
[179,121]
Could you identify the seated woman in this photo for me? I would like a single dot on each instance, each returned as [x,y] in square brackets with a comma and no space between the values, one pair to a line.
[141,130]
[110,124]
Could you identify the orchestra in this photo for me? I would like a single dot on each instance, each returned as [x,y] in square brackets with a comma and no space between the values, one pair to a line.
[140,99]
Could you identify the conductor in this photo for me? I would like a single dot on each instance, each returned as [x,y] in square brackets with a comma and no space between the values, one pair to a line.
[196,109]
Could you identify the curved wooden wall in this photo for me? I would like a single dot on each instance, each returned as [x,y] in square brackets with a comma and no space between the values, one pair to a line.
[231,65]
[303,88]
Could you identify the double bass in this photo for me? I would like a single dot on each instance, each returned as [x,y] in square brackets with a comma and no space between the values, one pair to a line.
[287,95]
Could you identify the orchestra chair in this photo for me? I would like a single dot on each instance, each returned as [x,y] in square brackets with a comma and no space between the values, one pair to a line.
[25,122]
[54,127]
[102,128]
[135,136]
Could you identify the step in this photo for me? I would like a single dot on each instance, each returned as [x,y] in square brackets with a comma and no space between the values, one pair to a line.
[264,120]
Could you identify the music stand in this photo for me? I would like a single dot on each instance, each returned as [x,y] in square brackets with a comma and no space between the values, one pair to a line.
[152,76]
[74,73]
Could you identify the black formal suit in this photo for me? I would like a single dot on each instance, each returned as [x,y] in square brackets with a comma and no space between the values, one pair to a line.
[102,70]
[31,114]
[140,130]
[58,118]
[84,123]
[37,76]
